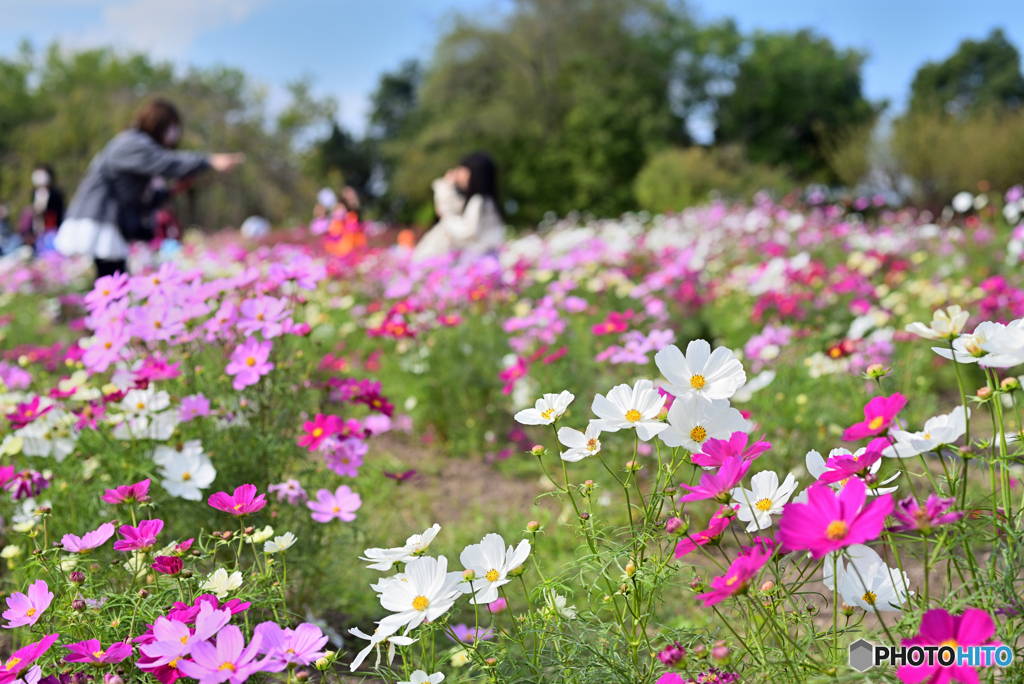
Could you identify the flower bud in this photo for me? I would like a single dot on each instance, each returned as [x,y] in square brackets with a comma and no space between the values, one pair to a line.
[966,452]
[226,536]
[871,479]
[675,526]
[78,605]
[633,465]
[469,574]
[250,530]
[537,450]
[143,593]
[699,651]
[584,516]
[1010,384]
[111,678]
[984,393]
[301,676]
[95,567]
[875,370]
[589,484]
[322,664]
[533,526]
[77,578]
[45,509]
[848,610]
[623,588]
[720,654]
[185,574]
[767,586]
[516,572]
[697,584]
[670,491]
[491,662]
[630,569]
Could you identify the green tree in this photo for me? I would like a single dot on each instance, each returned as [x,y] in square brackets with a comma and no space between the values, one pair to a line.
[980,75]
[791,93]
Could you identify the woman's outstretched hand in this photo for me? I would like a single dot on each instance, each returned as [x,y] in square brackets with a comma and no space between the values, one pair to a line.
[225,161]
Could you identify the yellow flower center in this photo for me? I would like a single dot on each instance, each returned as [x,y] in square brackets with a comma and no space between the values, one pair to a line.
[106,293]
[836,530]
[698,434]
[731,581]
[337,509]
[420,603]
[108,345]
[697,381]
[237,506]
[633,416]
[250,361]
[185,477]
[227,666]
[592,444]
[927,435]
[12,662]
[870,598]
[157,324]
[546,415]
[949,642]
[876,422]
[98,654]
[318,431]
[763,505]
[184,639]
[259,317]
[174,663]
[492,575]
[29,412]
[30,612]
[140,406]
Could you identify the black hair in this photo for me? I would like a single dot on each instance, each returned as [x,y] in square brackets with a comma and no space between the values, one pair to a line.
[483,177]
[49,171]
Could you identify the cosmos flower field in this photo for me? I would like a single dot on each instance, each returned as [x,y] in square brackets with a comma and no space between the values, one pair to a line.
[715,446]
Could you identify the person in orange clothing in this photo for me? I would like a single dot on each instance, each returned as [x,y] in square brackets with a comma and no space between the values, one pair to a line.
[345,230]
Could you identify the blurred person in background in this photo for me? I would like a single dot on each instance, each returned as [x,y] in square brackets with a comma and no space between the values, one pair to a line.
[9,239]
[40,220]
[114,204]
[466,202]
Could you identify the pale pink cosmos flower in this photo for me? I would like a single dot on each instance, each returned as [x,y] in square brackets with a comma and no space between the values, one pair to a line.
[106,290]
[173,639]
[288,647]
[341,504]
[106,347]
[289,489]
[264,315]
[25,609]
[88,541]
[229,661]
[193,406]
[249,363]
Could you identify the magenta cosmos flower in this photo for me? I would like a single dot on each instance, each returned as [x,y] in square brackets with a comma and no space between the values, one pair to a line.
[719,485]
[249,363]
[289,647]
[141,538]
[914,518]
[25,609]
[242,503]
[317,430]
[716,526]
[341,504]
[229,661]
[715,452]
[828,522]
[25,413]
[88,541]
[878,415]
[938,628]
[737,578]
[93,653]
[842,467]
[24,657]
[126,494]
[168,565]
[289,489]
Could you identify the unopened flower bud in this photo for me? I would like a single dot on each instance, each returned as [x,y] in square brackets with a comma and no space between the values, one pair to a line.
[301,676]
[720,654]
[145,499]
[699,651]
[533,526]
[95,567]
[250,530]
[589,484]
[185,574]
[633,465]
[967,452]
[875,370]
[517,571]
[697,584]
[984,393]
[78,605]
[848,610]
[537,450]
[491,662]
[143,593]
[623,588]
[77,577]
[767,586]
[675,526]
[871,479]
[322,664]
[670,491]
[630,569]
[226,536]
[44,509]
[584,516]
[1010,384]
[469,574]
[111,678]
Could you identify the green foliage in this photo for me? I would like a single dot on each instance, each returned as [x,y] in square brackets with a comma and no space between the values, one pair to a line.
[678,178]
[790,92]
[980,75]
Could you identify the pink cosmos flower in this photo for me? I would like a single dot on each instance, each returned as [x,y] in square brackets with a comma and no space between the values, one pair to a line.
[938,628]
[26,412]
[719,485]
[181,547]
[229,661]
[289,489]
[156,368]
[155,322]
[172,639]
[26,484]
[346,456]
[106,347]
[878,415]
[187,614]
[715,452]
[317,430]
[89,415]
[126,494]
[672,654]
[287,647]
[249,363]
[828,522]
[220,324]
[264,315]
[842,467]
[403,476]
[168,565]
[89,541]
[24,657]
[163,281]
[105,290]
[497,606]
[91,652]
[241,503]
[716,526]
[913,518]
[736,579]
[27,609]
[141,538]
[341,504]
[193,406]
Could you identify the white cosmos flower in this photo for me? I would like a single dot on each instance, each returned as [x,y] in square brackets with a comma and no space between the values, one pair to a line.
[709,374]
[757,506]
[693,420]
[969,348]
[867,582]
[581,445]
[944,429]
[421,677]
[557,605]
[756,384]
[491,562]
[279,544]
[963,201]
[220,582]
[380,635]
[547,410]
[426,592]
[418,543]
[624,408]
[817,467]
[52,434]
[945,324]
[384,559]
[143,401]
[155,426]
[186,473]
[1005,348]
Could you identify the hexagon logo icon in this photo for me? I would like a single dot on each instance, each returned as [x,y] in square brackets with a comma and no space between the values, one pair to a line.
[862,655]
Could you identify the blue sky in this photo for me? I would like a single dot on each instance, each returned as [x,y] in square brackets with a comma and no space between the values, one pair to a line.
[347,44]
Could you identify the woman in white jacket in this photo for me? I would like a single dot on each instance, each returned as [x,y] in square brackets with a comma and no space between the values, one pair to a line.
[466,202]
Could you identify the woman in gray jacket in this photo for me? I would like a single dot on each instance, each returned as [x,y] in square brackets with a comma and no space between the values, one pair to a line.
[114,202]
